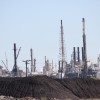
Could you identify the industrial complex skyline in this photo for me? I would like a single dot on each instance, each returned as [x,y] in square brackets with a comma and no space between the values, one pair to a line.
[36,24]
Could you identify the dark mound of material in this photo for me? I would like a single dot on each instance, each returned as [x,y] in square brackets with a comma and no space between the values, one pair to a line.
[43,86]
[36,87]
[83,88]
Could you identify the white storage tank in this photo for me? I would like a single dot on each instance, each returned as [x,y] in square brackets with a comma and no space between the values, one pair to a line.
[60,76]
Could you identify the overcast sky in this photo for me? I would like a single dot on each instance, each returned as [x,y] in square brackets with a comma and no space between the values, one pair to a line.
[36,24]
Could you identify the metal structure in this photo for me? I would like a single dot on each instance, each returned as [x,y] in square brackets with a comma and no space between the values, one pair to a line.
[62,62]
[74,56]
[6,66]
[99,62]
[59,68]
[84,50]
[26,63]
[32,65]
[82,55]
[78,54]
[6,60]
[47,64]
[15,68]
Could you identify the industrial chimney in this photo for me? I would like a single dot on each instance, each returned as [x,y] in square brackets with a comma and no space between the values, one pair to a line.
[15,70]
[78,54]
[74,55]
[84,49]
[32,66]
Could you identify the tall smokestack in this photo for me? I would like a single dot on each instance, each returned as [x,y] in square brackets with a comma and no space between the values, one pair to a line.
[84,48]
[61,23]
[62,49]
[15,61]
[32,66]
[78,53]
[82,54]
[74,55]
[59,67]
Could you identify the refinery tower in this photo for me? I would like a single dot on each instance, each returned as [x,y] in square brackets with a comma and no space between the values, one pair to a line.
[62,61]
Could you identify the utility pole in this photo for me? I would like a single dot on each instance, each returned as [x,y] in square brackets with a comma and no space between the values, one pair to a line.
[84,49]
[26,62]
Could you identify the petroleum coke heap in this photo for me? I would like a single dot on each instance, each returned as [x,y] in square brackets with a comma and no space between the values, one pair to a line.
[43,86]
[36,87]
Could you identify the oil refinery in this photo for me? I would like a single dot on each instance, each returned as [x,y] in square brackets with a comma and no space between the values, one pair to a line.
[79,65]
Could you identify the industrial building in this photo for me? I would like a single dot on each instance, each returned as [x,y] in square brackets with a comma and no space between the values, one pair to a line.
[49,69]
[79,65]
